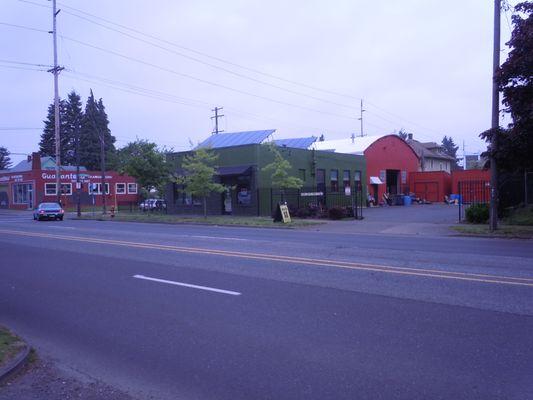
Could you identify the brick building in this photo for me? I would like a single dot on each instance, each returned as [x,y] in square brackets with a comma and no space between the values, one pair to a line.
[33,181]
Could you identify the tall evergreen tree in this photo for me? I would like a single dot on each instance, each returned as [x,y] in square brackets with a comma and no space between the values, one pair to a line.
[72,126]
[94,127]
[5,160]
[449,147]
[403,134]
[47,145]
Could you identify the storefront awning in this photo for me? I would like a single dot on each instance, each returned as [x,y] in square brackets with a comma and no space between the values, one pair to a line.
[374,180]
[234,170]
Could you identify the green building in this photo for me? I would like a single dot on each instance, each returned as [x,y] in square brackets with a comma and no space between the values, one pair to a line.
[241,158]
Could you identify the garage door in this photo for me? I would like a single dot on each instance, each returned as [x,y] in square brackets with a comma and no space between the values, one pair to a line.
[428,191]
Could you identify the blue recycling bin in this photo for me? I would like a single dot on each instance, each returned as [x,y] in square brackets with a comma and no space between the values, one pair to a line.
[457,197]
[407,200]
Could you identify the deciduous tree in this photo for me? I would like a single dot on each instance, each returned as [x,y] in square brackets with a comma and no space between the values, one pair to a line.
[146,162]
[280,169]
[198,175]
[515,78]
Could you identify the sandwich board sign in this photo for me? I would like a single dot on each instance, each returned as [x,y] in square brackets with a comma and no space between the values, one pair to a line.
[285,213]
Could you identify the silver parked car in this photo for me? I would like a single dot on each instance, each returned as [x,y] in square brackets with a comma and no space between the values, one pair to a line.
[48,211]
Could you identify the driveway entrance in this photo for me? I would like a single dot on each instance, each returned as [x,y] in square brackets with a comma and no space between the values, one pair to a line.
[418,219]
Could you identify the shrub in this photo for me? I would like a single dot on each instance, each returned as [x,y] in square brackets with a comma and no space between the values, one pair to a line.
[336,213]
[477,214]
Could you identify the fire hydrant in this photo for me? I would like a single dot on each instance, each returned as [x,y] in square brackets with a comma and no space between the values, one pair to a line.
[112,211]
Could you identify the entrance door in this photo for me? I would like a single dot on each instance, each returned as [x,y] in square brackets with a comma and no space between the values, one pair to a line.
[4,196]
[30,196]
[321,186]
[226,199]
[392,181]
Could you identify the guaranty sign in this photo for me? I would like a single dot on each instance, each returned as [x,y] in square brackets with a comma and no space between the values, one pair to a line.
[73,176]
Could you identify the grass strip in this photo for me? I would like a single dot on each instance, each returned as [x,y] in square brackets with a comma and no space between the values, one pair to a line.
[503,231]
[9,345]
[260,222]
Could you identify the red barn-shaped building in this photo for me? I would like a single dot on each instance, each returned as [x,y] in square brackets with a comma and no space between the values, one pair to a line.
[398,166]
[389,161]
[33,181]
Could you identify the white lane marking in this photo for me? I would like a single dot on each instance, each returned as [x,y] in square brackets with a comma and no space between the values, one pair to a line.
[210,289]
[218,238]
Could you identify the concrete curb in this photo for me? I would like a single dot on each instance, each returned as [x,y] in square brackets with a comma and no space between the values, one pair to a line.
[15,364]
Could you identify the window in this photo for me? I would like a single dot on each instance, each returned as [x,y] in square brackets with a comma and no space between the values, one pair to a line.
[22,193]
[334,180]
[96,188]
[50,189]
[346,178]
[66,189]
[404,177]
[186,199]
[301,173]
[321,180]
[132,188]
[120,188]
[357,179]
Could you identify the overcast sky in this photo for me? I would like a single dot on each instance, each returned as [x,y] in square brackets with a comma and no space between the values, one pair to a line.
[420,65]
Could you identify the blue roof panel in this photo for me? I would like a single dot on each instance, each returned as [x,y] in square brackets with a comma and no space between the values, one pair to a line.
[299,143]
[236,139]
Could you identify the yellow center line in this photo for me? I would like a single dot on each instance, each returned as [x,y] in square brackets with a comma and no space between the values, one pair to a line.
[433,273]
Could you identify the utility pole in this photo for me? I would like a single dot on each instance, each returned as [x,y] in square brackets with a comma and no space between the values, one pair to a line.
[102,166]
[78,183]
[361,118]
[495,119]
[464,155]
[216,131]
[56,71]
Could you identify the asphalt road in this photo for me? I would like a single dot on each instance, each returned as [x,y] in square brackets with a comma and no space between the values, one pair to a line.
[198,312]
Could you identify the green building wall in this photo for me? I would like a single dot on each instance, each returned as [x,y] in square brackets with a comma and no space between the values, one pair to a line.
[301,160]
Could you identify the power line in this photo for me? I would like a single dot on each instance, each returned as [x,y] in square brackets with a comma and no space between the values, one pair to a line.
[205,54]
[167,97]
[28,28]
[35,4]
[169,70]
[18,129]
[66,7]
[23,68]
[25,63]
[212,65]
[398,117]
